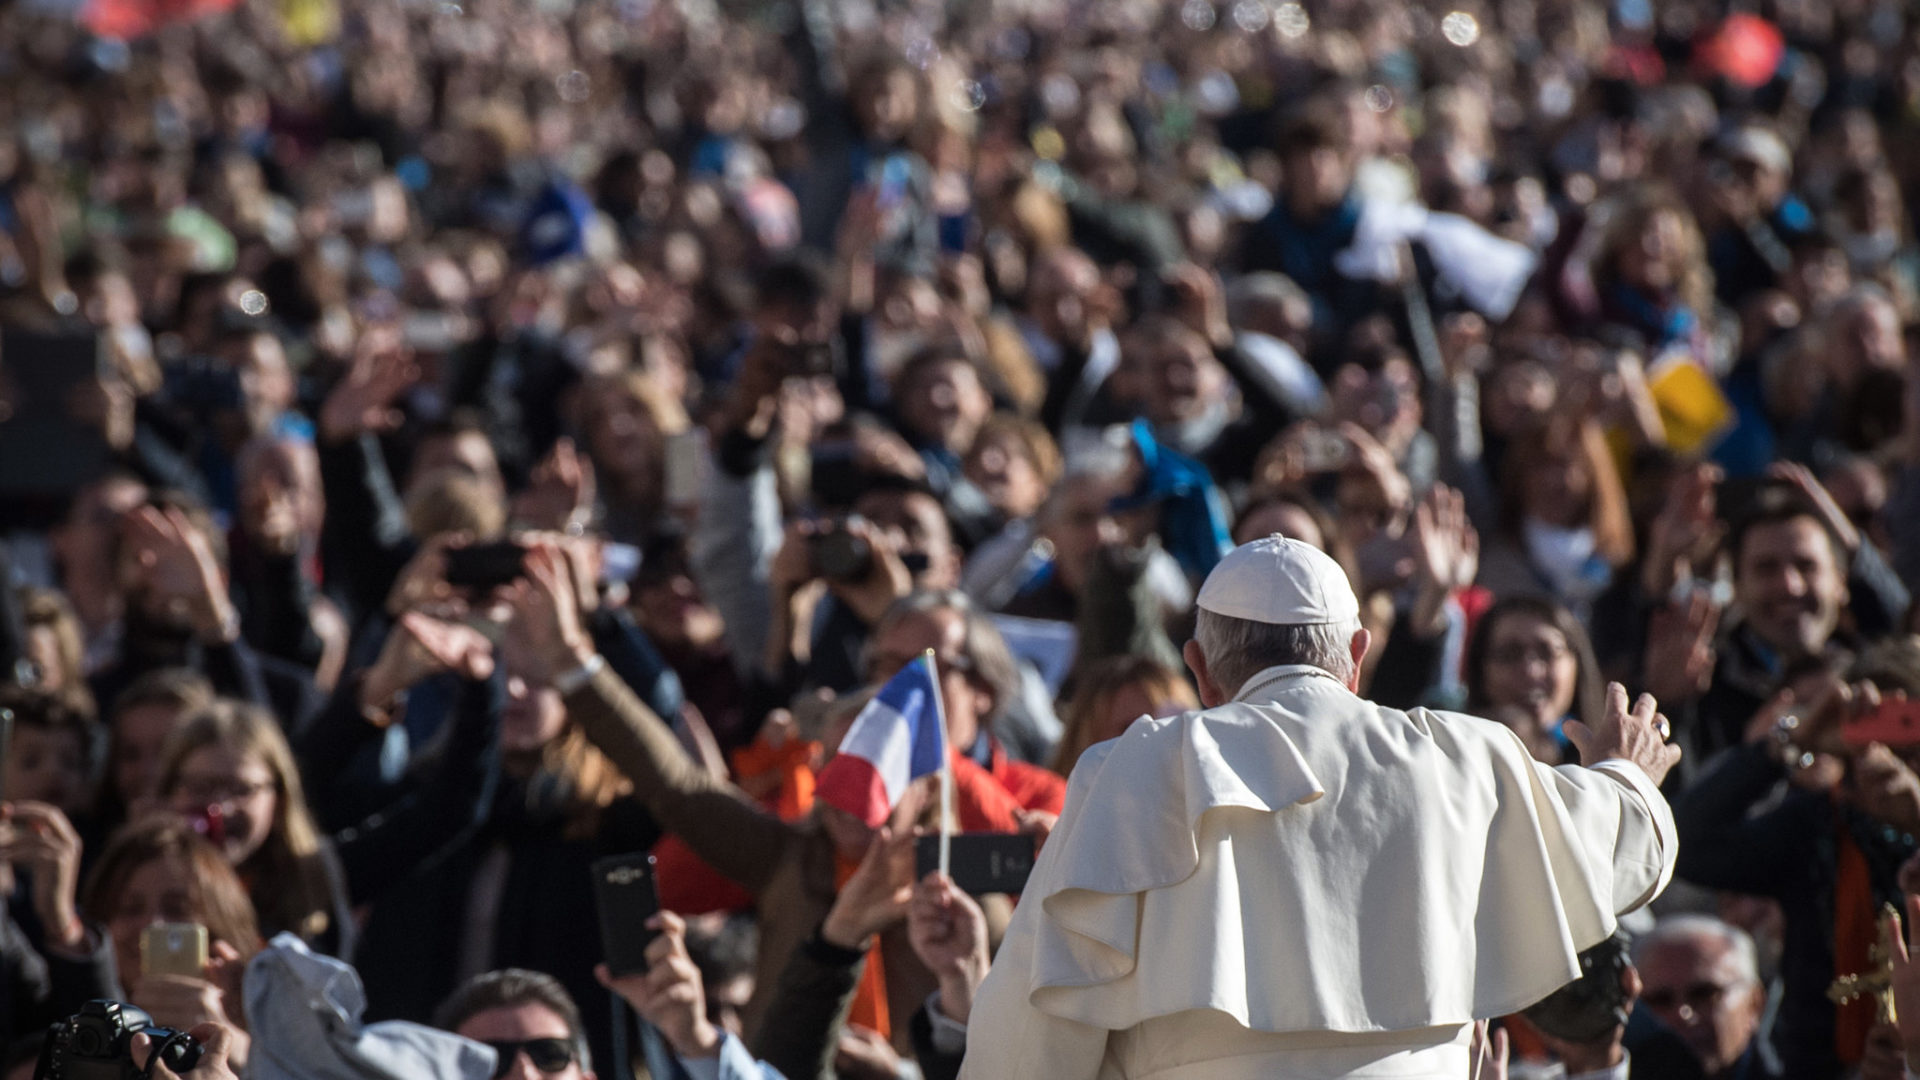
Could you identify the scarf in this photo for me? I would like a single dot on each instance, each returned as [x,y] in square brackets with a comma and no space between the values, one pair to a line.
[870,1000]
[1854,933]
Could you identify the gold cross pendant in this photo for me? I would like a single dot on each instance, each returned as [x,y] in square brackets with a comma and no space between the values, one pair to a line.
[1877,979]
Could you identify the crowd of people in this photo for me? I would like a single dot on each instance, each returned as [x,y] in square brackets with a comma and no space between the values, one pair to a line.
[445,444]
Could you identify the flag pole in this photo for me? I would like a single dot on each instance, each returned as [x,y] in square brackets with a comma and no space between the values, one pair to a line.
[946,764]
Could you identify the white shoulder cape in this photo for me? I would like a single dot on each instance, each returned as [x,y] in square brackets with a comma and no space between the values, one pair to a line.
[1308,861]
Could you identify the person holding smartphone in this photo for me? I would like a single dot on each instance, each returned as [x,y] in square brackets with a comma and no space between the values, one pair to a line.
[160,871]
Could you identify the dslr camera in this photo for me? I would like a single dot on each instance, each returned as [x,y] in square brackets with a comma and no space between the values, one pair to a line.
[97,1044]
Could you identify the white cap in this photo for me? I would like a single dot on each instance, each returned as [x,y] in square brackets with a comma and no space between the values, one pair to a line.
[1277,580]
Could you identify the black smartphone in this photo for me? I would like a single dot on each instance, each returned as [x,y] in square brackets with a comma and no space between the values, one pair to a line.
[485,566]
[808,359]
[627,895]
[982,862]
[45,451]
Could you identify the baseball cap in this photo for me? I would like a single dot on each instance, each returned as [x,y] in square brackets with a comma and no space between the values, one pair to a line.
[1277,580]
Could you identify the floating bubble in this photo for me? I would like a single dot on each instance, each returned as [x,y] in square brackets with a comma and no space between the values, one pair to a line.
[969,95]
[1291,20]
[253,302]
[1198,15]
[573,87]
[1460,28]
[1251,15]
[452,11]
[1379,98]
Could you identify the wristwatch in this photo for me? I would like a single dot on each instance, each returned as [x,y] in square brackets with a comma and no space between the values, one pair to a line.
[567,682]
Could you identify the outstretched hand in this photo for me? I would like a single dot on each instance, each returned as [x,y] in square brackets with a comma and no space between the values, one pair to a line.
[546,610]
[878,893]
[1638,735]
[364,401]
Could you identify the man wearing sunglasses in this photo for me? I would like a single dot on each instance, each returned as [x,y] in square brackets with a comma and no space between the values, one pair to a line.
[529,1020]
[1702,980]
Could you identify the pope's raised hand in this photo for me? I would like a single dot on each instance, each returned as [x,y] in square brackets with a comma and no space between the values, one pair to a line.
[1638,735]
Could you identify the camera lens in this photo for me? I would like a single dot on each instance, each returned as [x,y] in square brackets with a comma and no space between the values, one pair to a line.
[841,556]
[88,1041]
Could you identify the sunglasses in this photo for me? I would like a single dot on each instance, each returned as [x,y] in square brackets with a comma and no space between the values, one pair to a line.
[547,1055]
[1701,997]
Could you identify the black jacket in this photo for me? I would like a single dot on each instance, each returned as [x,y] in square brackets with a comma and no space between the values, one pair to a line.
[36,990]
[1740,831]
[465,822]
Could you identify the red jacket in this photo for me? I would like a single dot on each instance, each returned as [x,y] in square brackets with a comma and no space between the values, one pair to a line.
[1033,787]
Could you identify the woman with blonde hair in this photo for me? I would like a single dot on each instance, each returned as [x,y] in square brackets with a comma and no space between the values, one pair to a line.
[228,770]
[1113,694]
[161,871]
[55,645]
[1650,273]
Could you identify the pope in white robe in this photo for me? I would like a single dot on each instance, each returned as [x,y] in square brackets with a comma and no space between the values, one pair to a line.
[1296,884]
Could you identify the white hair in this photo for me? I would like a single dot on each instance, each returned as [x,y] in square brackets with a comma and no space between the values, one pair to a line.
[1686,929]
[1238,649]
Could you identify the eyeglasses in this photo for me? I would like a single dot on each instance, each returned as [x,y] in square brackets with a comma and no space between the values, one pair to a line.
[547,1055]
[1512,655]
[1700,997]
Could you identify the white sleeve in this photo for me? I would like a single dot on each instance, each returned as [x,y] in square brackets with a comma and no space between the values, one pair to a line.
[1006,1035]
[1616,796]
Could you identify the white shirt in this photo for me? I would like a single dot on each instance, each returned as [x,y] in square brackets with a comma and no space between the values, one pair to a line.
[1302,884]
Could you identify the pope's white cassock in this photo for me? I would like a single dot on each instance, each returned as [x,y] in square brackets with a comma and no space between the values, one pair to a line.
[1300,884]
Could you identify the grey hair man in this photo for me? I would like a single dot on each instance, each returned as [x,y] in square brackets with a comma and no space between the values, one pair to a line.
[1701,977]
[1294,881]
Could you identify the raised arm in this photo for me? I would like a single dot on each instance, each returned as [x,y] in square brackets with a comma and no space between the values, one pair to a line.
[718,821]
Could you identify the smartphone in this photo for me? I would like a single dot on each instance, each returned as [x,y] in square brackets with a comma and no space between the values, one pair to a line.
[174,949]
[627,895]
[1895,725]
[837,478]
[485,566]
[211,822]
[809,359]
[686,466]
[980,863]
[45,451]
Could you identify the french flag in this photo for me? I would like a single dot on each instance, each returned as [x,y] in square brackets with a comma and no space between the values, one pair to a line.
[897,738]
